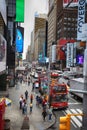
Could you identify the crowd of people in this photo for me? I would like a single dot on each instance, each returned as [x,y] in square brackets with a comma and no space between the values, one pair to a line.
[26,100]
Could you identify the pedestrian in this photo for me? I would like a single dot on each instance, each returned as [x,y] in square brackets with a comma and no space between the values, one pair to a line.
[37,100]
[26,94]
[20,101]
[50,113]
[23,103]
[31,98]
[28,81]
[25,108]
[31,107]
[44,114]
[33,87]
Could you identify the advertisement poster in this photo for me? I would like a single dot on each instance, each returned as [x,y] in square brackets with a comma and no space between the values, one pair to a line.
[3,49]
[72,4]
[19,39]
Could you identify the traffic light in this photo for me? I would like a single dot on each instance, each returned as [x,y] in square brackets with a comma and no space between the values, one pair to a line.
[64,123]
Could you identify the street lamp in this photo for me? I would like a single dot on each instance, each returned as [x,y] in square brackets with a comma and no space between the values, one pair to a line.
[85,89]
[84,38]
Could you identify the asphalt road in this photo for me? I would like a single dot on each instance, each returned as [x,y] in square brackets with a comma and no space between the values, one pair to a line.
[75,107]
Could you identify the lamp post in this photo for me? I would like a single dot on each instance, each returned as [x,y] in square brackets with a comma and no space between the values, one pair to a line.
[84,38]
[84,126]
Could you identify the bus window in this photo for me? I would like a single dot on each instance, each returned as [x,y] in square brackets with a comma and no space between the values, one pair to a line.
[58,89]
[59,98]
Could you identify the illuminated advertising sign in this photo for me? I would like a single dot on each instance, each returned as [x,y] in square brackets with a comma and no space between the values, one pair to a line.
[81,18]
[3,49]
[72,4]
[53,53]
[19,39]
[69,55]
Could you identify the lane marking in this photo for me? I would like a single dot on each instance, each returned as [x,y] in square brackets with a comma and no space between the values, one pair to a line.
[75,112]
[74,103]
[77,122]
[71,120]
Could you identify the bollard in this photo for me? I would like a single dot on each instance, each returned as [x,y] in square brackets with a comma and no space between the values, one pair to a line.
[25,124]
[7,124]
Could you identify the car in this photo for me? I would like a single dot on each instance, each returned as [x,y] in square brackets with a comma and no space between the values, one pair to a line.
[32,73]
[36,75]
[60,73]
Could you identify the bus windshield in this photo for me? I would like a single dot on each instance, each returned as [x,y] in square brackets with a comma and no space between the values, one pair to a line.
[58,89]
[60,98]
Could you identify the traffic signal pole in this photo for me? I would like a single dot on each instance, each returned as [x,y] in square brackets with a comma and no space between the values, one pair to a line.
[84,123]
[65,121]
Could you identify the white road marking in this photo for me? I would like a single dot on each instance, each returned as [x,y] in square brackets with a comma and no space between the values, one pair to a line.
[75,112]
[71,120]
[74,103]
[77,122]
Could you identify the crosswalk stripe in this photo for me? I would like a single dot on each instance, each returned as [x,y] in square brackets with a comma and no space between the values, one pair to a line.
[71,121]
[76,112]
[80,111]
[77,122]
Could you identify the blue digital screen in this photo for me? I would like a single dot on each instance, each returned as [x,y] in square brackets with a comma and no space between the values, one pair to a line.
[19,41]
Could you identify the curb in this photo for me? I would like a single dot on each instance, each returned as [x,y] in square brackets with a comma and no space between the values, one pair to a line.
[53,123]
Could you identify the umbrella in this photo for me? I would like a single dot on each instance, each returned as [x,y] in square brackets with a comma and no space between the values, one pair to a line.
[7,101]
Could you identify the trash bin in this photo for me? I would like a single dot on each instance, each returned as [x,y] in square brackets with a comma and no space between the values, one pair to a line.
[7,124]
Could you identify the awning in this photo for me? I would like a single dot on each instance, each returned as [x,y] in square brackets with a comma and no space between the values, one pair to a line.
[20,68]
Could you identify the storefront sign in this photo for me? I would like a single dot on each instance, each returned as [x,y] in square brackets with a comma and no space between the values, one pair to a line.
[69,56]
[81,18]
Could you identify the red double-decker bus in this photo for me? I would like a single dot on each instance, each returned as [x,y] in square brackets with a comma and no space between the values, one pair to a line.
[58,95]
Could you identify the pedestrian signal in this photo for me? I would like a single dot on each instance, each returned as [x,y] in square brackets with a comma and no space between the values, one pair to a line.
[64,123]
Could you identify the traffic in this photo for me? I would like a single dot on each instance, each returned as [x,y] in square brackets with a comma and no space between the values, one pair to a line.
[55,87]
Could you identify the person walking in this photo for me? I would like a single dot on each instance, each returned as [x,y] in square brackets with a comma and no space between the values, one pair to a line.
[32,87]
[44,114]
[23,104]
[50,113]
[25,108]
[26,94]
[31,98]
[20,101]
[31,107]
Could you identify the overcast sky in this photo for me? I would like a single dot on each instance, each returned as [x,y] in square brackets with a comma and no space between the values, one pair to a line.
[31,6]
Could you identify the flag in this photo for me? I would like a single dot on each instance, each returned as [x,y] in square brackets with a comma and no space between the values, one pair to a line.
[19,10]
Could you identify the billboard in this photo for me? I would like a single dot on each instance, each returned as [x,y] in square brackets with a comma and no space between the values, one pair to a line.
[20,10]
[72,4]
[19,39]
[69,55]
[81,18]
[53,53]
[3,46]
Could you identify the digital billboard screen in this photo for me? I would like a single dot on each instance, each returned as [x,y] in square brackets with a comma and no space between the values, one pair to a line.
[80,59]
[19,39]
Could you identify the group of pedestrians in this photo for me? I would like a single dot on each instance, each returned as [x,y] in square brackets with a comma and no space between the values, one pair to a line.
[40,101]
[46,110]
[23,103]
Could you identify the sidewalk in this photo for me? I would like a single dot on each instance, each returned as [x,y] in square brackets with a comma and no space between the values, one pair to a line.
[15,115]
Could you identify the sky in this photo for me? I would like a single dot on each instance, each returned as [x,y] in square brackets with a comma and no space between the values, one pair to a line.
[32,6]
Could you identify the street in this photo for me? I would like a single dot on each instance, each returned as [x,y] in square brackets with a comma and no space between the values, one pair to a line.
[75,107]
